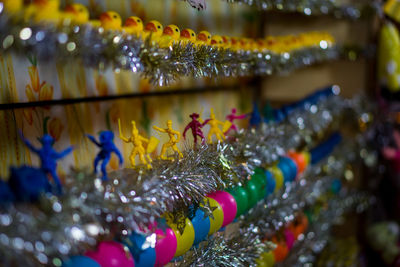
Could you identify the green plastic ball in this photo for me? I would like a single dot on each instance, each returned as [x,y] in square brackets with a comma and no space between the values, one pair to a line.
[241,197]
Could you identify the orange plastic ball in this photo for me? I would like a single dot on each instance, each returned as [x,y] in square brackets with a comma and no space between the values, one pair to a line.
[300,160]
[281,251]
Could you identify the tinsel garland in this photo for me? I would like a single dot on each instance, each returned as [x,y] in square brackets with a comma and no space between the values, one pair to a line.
[133,199]
[97,48]
[353,11]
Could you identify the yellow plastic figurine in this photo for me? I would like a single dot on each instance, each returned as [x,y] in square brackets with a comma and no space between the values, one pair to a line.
[137,140]
[172,140]
[77,13]
[188,35]
[214,128]
[111,20]
[133,25]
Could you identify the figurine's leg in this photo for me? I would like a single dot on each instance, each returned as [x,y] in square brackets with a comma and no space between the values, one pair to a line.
[220,136]
[203,139]
[149,158]
[103,168]
[142,158]
[95,163]
[163,151]
[209,137]
[175,148]
[132,158]
[194,138]
[56,180]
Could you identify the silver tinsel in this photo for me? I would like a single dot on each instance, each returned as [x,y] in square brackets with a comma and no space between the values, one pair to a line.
[97,48]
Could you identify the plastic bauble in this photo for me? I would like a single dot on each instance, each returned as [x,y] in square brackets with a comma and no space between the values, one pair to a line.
[268,258]
[228,205]
[300,160]
[252,188]
[111,254]
[241,198]
[286,172]
[270,186]
[143,254]
[259,179]
[278,176]
[307,157]
[165,246]
[185,240]
[289,237]
[80,261]
[218,214]
[292,167]
[281,251]
[201,226]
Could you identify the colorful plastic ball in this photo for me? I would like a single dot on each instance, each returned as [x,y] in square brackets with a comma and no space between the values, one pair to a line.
[289,237]
[285,169]
[261,183]
[80,261]
[218,214]
[241,198]
[184,240]
[271,183]
[111,254]
[292,167]
[281,251]
[228,205]
[268,258]
[165,246]
[252,188]
[143,256]
[201,226]
[300,160]
[278,176]
[307,157]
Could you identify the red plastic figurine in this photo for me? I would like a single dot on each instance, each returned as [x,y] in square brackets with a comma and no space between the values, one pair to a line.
[231,117]
[196,126]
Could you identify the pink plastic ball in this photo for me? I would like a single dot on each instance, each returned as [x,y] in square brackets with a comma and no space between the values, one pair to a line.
[228,205]
[166,245]
[111,254]
[290,239]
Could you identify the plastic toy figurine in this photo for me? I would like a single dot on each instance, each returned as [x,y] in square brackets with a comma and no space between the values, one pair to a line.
[111,20]
[195,125]
[188,35]
[255,116]
[78,13]
[48,156]
[172,140]
[170,35]
[203,38]
[138,149]
[133,25]
[231,117]
[107,146]
[154,29]
[214,124]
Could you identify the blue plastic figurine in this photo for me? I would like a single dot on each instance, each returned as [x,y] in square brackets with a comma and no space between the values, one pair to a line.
[107,146]
[255,116]
[48,156]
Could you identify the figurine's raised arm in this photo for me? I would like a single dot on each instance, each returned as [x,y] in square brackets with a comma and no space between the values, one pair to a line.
[118,153]
[28,144]
[186,129]
[121,135]
[144,139]
[159,129]
[91,138]
[178,136]
[64,153]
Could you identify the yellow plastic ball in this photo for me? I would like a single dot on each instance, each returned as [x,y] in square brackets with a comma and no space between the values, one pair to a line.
[278,176]
[185,240]
[307,156]
[216,223]
[268,258]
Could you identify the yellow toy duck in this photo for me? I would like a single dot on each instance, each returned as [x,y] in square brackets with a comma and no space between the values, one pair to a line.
[44,11]
[154,29]
[170,35]
[217,41]
[111,20]
[204,38]
[171,142]
[227,41]
[188,35]
[138,149]
[77,13]
[133,25]
[12,6]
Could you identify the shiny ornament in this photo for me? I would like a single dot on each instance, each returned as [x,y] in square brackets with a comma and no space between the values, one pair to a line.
[184,240]
[80,261]
[111,254]
[143,254]
[281,251]
[201,225]
[241,198]
[271,183]
[300,160]
[218,214]
[289,237]
[166,245]
[268,259]
[286,171]
[253,192]
[228,205]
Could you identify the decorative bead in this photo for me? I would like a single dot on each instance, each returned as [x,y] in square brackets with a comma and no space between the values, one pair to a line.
[228,205]
[218,214]
[111,254]
[184,240]
[165,246]
[278,176]
[201,226]
[143,255]
[241,198]
[80,261]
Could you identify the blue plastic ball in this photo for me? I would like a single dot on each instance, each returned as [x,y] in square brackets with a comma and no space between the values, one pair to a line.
[287,173]
[292,172]
[28,183]
[201,226]
[80,261]
[271,183]
[144,256]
